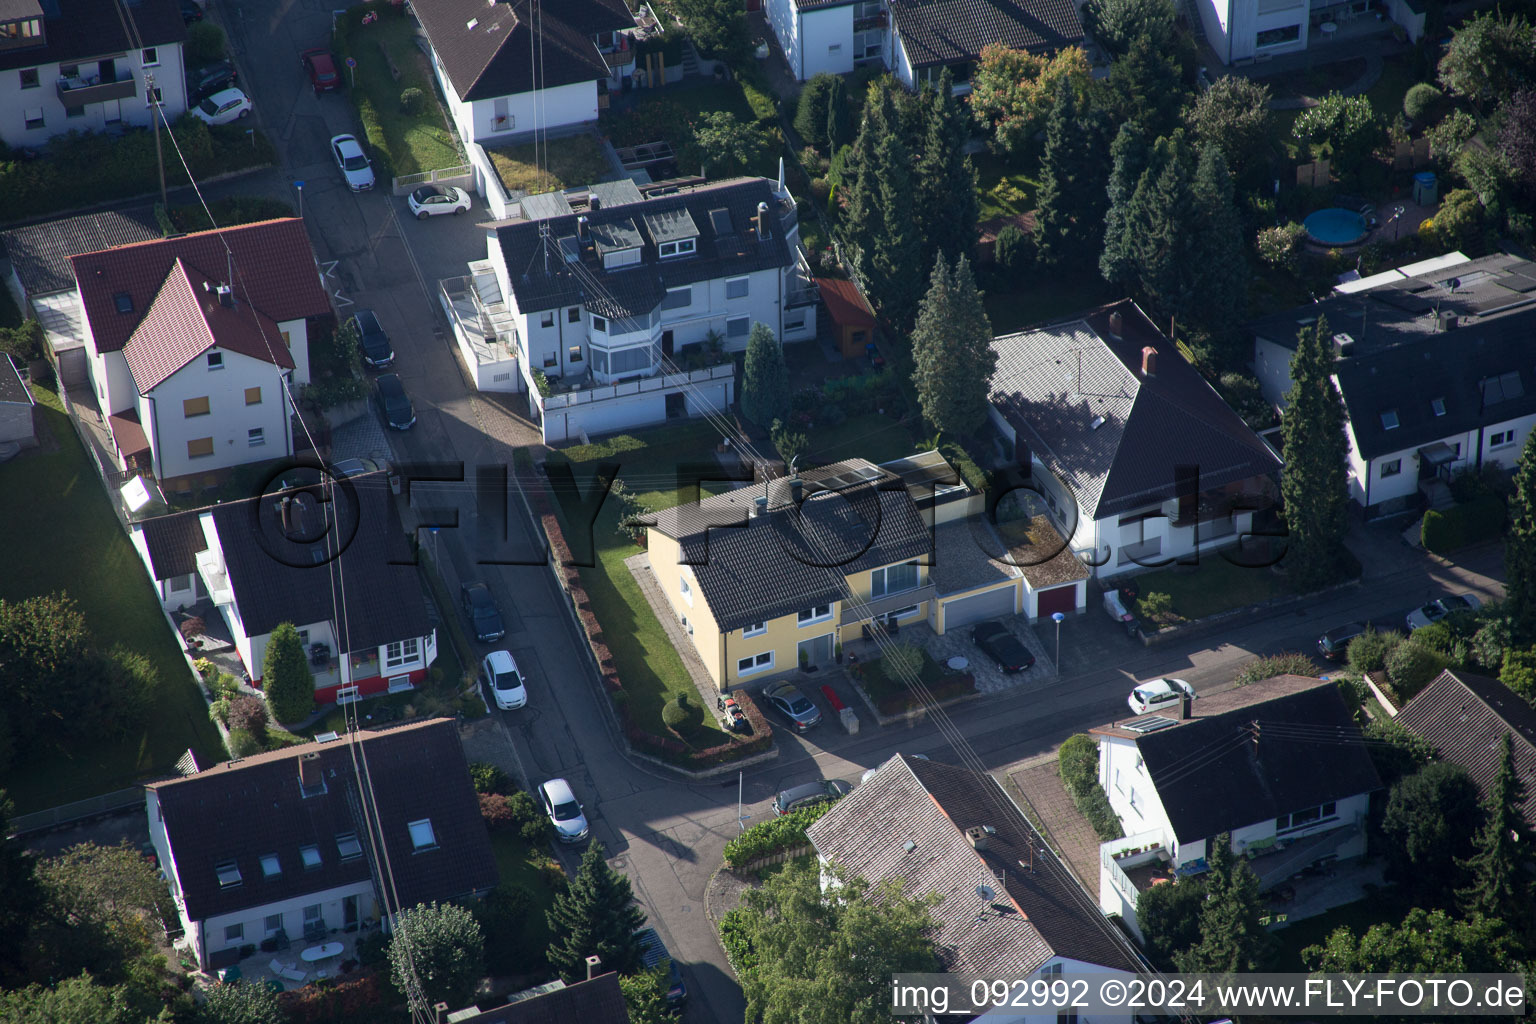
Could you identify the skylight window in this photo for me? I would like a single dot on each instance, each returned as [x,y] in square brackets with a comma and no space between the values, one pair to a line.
[1389,420]
[123,301]
[348,846]
[421,834]
[1438,405]
[228,872]
[270,866]
[310,855]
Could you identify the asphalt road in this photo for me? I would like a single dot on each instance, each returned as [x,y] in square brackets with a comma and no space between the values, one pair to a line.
[666,833]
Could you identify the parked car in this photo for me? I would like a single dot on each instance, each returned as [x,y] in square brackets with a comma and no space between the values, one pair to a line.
[1002,646]
[812,792]
[503,682]
[191,11]
[376,349]
[394,403]
[563,810]
[869,773]
[793,705]
[1334,644]
[1159,693]
[224,107]
[652,952]
[310,476]
[320,66]
[356,171]
[211,78]
[480,608]
[1440,608]
[431,200]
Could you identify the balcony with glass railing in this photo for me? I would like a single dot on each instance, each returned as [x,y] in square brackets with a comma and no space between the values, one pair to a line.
[83,89]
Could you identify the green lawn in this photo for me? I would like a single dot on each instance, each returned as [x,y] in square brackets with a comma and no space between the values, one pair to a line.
[402,143]
[669,114]
[1002,191]
[1215,585]
[574,160]
[1387,94]
[535,871]
[1358,917]
[64,536]
[1036,298]
[872,436]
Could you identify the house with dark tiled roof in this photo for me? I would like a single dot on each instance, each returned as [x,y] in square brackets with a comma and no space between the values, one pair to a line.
[315,843]
[71,65]
[1433,363]
[1008,907]
[1465,717]
[513,67]
[1279,764]
[1130,452]
[915,39]
[338,566]
[622,303]
[197,343]
[598,1000]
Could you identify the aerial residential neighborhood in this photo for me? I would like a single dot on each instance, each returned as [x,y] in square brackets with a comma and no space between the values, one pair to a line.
[640,511]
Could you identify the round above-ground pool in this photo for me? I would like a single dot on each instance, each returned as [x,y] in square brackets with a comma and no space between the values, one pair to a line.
[1335,226]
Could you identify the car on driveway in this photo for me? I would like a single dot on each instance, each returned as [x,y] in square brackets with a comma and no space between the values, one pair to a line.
[224,107]
[394,403]
[1002,646]
[371,339]
[1159,693]
[652,952]
[191,11]
[320,66]
[503,682]
[211,78]
[796,797]
[355,168]
[1334,644]
[481,610]
[432,200]
[1438,609]
[563,810]
[793,705]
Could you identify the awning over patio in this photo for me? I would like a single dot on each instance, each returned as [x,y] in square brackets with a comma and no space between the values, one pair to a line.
[128,433]
[1437,454]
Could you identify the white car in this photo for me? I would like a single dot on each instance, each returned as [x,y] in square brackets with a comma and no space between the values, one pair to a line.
[1159,693]
[224,107]
[1438,609]
[564,810]
[354,164]
[503,682]
[431,200]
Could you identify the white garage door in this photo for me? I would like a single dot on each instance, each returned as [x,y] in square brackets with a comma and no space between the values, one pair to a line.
[993,604]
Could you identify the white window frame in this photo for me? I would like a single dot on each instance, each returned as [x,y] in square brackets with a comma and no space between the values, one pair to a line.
[150,57]
[755,629]
[684,589]
[400,684]
[314,912]
[347,695]
[228,873]
[402,652]
[811,616]
[681,247]
[1501,439]
[758,664]
[348,846]
[256,437]
[1391,469]
[729,321]
[422,836]
[746,287]
[271,867]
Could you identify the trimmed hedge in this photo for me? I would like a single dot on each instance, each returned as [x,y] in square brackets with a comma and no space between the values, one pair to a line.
[770,837]
[1456,527]
[1078,764]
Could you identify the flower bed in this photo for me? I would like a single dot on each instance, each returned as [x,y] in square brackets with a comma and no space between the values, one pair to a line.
[668,748]
[892,697]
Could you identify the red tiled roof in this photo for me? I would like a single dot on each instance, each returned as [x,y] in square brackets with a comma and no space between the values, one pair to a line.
[128,433]
[274,270]
[187,319]
[845,303]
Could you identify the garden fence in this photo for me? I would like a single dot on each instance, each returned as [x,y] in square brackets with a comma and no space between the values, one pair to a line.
[93,807]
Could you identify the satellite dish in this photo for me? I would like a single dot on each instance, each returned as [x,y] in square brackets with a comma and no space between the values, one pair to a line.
[986,892]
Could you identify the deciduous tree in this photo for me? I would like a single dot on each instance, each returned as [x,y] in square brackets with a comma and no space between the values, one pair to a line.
[730,146]
[719,28]
[1430,819]
[436,954]
[1347,126]
[1427,942]
[595,916]
[241,1002]
[1489,57]
[1013,91]
[286,679]
[77,1000]
[765,380]
[20,896]
[1314,481]
[1234,114]
[952,352]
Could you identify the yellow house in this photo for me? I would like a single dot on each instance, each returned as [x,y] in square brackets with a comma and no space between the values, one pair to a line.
[774,576]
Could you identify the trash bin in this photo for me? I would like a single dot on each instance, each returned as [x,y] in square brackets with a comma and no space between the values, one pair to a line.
[1424,188]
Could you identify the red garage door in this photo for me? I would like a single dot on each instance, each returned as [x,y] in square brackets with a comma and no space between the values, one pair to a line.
[1057,599]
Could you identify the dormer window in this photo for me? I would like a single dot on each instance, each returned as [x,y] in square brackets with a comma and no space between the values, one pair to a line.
[228,873]
[1389,420]
[683,247]
[1438,405]
[621,258]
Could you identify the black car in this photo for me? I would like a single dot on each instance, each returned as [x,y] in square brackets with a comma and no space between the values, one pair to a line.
[652,952]
[1002,646]
[210,78]
[191,11]
[1334,644]
[371,338]
[394,403]
[484,616]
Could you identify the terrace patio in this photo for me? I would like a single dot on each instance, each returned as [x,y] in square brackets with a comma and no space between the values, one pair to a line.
[280,963]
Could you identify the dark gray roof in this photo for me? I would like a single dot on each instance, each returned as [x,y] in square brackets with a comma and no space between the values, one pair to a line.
[930,805]
[599,1001]
[247,808]
[173,542]
[1076,394]
[12,387]
[614,235]
[948,31]
[541,283]
[40,254]
[1212,776]
[670,225]
[544,205]
[485,48]
[615,193]
[1466,718]
[85,29]
[752,569]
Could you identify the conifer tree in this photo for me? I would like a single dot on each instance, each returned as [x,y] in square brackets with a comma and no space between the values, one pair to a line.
[946,201]
[1128,155]
[765,378]
[1499,886]
[1163,220]
[896,250]
[864,219]
[1314,484]
[286,678]
[1221,264]
[1073,198]
[1231,937]
[1520,546]
[952,353]
[839,118]
[595,916]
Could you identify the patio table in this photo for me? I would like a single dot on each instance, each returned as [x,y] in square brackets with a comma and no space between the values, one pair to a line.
[322,952]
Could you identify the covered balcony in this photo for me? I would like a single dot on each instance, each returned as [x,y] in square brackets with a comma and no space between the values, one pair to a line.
[1217,507]
[483,326]
[107,83]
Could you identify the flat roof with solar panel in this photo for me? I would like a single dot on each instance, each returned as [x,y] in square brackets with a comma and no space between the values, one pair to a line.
[546,205]
[1147,723]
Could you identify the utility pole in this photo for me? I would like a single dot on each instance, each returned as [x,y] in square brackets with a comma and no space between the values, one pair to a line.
[154,122]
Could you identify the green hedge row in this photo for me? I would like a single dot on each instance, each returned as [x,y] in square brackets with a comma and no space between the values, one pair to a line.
[769,837]
[1456,527]
[1078,763]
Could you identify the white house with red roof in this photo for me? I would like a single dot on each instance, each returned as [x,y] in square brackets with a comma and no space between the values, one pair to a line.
[194,344]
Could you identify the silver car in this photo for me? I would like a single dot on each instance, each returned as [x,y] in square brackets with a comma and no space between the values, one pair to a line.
[353,162]
[1438,609]
[564,810]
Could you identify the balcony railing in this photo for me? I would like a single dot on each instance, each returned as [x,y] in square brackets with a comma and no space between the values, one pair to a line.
[644,385]
[77,92]
[873,21]
[1213,507]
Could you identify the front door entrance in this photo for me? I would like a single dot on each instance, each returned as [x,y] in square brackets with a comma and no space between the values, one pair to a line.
[666,343]
[677,405]
[349,910]
[817,650]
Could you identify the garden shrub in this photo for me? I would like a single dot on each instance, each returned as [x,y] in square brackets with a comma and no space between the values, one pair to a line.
[205,44]
[682,715]
[248,713]
[1291,663]
[1368,651]
[811,109]
[1448,529]
[1280,247]
[495,812]
[1078,764]
[243,743]
[1156,605]
[1519,672]
[24,343]
[1411,666]
[1012,250]
[529,820]
[1436,636]
[351,999]
[1491,641]
[412,100]
[488,778]
[504,917]
[219,710]
[770,837]
[737,940]
[902,661]
[1420,100]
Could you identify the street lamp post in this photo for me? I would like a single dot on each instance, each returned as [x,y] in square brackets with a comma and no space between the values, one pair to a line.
[1058,617]
[300,186]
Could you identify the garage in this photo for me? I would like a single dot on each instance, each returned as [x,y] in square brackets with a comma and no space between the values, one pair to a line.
[1057,599]
[992,604]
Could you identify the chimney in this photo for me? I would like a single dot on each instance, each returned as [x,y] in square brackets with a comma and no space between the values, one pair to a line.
[594,201]
[581,229]
[762,221]
[594,967]
[309,770]
[1343,345]
[1116,322]
[980,836]
[226,296]
[1447,321]
[759,506]
[1186,708]
[440,1013]
[1148,361]
[796,490]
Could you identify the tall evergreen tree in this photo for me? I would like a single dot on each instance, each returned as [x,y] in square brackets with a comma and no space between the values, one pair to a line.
[946,203]
[1164,222]
[1520,546]
[285,676]
[839,116]
[895,270]
[765,378]
[1314,484]
[1073,198]
[1231,937]
[952,353]
[1221,265]
[1152,84]
[864,219]
[1499,886]
[1128,156]
[811,109]
[595,916]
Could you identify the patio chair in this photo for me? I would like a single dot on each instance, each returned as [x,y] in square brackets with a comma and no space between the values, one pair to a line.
[275,966]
